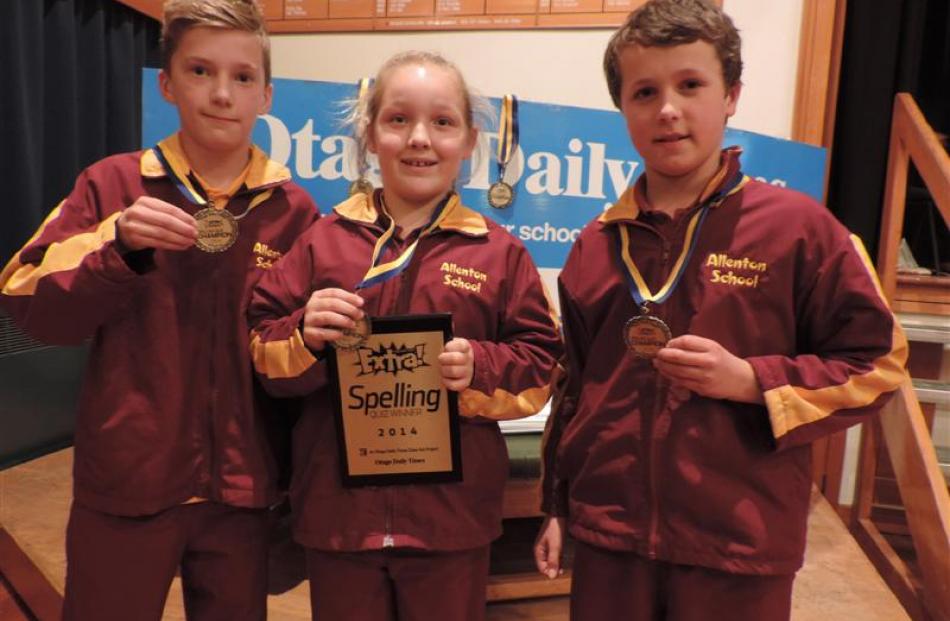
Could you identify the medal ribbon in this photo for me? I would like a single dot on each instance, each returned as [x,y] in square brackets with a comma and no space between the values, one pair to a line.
[507,133]
[381,273]
[182,182]
[638,286]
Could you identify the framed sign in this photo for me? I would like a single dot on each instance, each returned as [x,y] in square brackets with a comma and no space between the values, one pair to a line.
[396,422]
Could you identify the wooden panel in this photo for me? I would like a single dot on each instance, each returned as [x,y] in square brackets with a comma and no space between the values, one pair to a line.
[575,6]
[924,493]
[152,8]
[819,59]
[522,498]
[352,8]
[459,7]
[307,9]
[892,569]
[528,585]
[30,585]
[510,7]
[299,16]
[10,609]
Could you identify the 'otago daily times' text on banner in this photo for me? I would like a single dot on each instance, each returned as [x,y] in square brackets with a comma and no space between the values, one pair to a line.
[570,163]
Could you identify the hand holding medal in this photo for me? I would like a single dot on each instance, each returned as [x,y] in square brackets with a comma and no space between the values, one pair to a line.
[501,194]
[217,228]
[645,334]
[334,316]
[153,223]
[706,368]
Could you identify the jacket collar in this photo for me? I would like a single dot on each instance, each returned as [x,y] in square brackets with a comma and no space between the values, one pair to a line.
[359,208]
[632,201]
[264,172]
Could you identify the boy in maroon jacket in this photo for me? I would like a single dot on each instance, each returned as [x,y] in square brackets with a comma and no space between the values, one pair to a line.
[735,323]
[153,255]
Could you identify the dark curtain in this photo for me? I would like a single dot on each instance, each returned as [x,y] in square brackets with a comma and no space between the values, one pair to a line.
[71,76]
[890,46]
[71,72]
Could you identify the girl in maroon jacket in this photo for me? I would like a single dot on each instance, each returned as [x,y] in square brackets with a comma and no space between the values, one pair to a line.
[407,551]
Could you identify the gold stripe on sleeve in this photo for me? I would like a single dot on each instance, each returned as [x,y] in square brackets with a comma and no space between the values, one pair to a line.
[284,359]
[791,407]
[503,405]
[19,279]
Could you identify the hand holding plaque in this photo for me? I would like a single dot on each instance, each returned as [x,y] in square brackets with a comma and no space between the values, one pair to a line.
[458,364]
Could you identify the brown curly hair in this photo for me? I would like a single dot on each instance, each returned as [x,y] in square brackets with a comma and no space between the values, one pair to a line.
[675,22]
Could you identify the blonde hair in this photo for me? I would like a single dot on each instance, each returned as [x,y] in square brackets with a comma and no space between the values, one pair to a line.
[665,23]
[360,113]
[241,15]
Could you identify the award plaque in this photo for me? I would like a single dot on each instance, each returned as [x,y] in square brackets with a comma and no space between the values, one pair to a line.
[396,422]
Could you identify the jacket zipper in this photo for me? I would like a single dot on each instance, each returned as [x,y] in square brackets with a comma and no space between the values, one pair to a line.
[659,395]
[212,379]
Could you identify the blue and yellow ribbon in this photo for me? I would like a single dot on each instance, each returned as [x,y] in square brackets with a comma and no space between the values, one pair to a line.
[363,88]
[638,287]
[380,273]
[181,180]
[507,133]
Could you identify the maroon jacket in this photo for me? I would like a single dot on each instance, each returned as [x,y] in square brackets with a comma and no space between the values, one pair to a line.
[167,409]
[481,274]
[638,466]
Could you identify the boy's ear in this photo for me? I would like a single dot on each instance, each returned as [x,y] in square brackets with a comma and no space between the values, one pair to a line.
[268,99]
[732,98]
[165,86]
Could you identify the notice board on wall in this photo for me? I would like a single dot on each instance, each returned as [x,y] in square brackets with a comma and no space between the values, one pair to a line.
[301,16]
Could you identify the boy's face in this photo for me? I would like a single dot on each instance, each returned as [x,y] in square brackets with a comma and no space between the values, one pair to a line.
[216,80]
[676,104]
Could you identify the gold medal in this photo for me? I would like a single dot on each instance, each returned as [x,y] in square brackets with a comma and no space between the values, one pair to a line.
[355,336]
[645,335]
[361,185]
[217,229]
[500,195]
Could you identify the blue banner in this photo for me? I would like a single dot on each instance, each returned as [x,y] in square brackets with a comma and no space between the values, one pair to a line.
[570,164]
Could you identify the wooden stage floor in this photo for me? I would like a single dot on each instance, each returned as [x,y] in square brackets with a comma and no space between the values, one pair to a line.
[837,582]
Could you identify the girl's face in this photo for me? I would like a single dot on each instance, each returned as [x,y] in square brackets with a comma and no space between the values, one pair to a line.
[420,134]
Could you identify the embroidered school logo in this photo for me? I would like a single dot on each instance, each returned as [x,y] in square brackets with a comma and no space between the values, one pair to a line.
[264,256]
[735,272]
[391,358]
[467,278]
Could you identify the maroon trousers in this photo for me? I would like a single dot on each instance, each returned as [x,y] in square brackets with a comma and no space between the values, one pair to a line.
[398,584]
[623,585]
[120,568]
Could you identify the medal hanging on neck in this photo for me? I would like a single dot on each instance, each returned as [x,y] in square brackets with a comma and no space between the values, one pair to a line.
[501,194]
[217,228]
[362,184]
[646,334]
[381,272]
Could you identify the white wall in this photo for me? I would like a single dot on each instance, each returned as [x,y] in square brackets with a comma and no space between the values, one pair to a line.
[561,66]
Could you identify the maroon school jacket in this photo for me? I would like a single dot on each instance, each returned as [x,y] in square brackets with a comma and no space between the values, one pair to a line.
[636,465]
[168,410]
[468,266]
